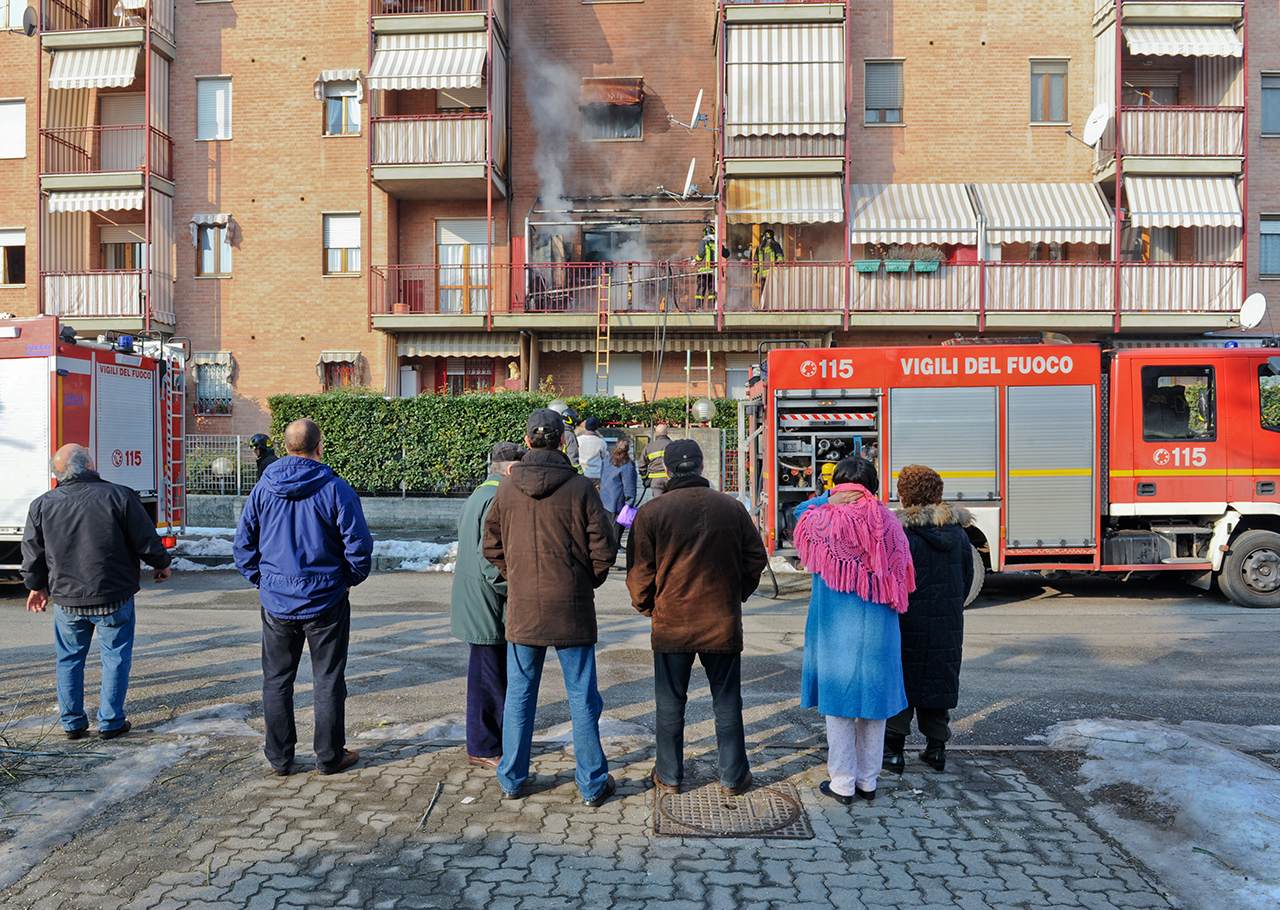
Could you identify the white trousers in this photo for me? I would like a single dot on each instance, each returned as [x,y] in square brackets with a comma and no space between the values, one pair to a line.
[855,751]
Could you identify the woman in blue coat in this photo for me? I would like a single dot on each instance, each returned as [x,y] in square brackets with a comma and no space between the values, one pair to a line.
[618,482]
[862,575]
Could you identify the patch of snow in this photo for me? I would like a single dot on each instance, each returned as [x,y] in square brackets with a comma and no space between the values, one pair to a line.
[451,726]
[612,732]
[196,531]
[204,546]
[425,565]
[781,566]
[186,565]
[213,720]
[1227,803]
[415,549]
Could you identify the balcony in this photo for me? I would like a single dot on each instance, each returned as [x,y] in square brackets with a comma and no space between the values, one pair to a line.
[106,150]
[782,11]
[1178,140]
[91,15]
[960,295]
[437,156]
[391,17]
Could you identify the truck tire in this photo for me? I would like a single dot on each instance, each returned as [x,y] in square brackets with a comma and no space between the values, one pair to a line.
[1251,571]
[979,576]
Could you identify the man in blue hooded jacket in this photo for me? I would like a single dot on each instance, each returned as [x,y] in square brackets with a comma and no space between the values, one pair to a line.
[303,543]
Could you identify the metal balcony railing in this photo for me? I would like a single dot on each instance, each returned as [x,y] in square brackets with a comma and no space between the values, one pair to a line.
[1184,131]
[430,139]
[1181,287]
[421,7]
[75,15]
[93,293]
[632,287]
[105,149]
[445,290]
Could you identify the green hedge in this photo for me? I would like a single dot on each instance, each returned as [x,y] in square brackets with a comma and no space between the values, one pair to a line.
[441,443]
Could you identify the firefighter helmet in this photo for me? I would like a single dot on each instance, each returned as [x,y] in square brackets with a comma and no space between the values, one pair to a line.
[708,230]
[260,441]
[768,233]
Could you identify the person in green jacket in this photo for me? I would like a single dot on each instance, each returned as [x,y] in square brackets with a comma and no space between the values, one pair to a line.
[478,604]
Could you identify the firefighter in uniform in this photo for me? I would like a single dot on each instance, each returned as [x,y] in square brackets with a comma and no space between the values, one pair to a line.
[653,469]
[263,450]
[767,252]
[705,297]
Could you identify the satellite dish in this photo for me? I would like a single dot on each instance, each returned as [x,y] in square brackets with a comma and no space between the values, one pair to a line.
[28,21]
[1097,122]
[697,106]
[1251,313]
[688,182]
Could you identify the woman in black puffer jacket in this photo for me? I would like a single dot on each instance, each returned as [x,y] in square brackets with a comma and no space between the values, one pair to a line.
[933,626]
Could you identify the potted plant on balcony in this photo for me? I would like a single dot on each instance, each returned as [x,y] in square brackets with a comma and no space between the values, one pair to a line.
[400,308]
[926,258]
[866,265]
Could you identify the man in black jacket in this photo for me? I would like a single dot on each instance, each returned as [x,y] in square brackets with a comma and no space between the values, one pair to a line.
[80,551]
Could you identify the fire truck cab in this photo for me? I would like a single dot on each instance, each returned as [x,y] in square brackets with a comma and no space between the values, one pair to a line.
[121,399]
[1071,458]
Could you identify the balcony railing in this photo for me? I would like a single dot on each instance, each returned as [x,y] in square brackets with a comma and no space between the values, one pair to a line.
[105,149]
[431,139]
[92,294]
[75,15]
[1180,132]
[422,7]
[810,287]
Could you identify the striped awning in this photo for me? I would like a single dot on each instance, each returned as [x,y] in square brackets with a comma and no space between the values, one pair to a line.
[1044,213]
[1156,202]
[785,80]
[95,200]
[912,213]
[458,344]
[339,76]
[785,200]
[1184,40]
[94,67]
[208,358]
[631,344]
[432,60]
[198,221]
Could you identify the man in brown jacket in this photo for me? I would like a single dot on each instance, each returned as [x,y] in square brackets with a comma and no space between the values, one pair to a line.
[693,557]
[547,533]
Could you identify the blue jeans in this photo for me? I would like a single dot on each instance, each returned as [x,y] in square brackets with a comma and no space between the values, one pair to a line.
[71,637]
[524,673]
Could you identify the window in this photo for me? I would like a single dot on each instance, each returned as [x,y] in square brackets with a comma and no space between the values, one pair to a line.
[122,246]
[1178,403]
[213,383]
[13,129]
[342,244]
[213,249]
[612,108]
[1271,104]
[340,374]
[1048,91]
[341,109]
[17,8]
[883,91]
[468,374]
[213,108]
[1269,247]
[13,246]
[1269,398]
[1150,88]
[462,250]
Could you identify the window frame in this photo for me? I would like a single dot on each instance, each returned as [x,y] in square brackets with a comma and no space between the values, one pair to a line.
[212,405]
[900,64]
[7,259]
[1045,64]
[344,253]
[616,110]
[1149,377]
[1264,372]
[348,93]
[340,374]
[19,138]
[1266,218]
[230,124]
[222,242]
[1263,91]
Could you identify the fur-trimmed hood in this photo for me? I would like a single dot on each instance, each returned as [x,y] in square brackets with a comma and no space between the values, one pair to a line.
[943,513]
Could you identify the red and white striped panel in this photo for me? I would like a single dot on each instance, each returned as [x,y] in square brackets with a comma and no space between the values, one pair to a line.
[810,417]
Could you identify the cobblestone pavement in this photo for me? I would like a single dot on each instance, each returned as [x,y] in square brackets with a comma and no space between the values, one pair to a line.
[1001,829]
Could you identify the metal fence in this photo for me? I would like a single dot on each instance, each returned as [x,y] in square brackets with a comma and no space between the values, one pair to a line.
[220,464]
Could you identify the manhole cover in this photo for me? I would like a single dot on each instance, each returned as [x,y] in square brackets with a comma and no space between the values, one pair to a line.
[703,810]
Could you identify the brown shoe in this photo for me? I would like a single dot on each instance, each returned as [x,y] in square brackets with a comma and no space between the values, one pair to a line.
[664,787]
[485,761]
[740,789]
[349,758]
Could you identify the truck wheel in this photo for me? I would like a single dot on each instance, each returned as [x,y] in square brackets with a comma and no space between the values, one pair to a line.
[979,576]
[1251,572]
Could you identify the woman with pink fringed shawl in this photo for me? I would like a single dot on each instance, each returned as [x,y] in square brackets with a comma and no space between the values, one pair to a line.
[862,574]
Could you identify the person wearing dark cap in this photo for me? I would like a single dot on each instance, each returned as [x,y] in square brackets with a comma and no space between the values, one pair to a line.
[477,608]
[264,454]
[591,449]
[653,469]
[692,559]
[548,535]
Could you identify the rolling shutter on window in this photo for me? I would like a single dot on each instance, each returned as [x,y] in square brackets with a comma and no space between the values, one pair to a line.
[122,233]
[213,108]
[341,232]
[884,86]
[16,237]
[13,129]
[471,231]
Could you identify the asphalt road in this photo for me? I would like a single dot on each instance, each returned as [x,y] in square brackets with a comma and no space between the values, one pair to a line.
[1036,652]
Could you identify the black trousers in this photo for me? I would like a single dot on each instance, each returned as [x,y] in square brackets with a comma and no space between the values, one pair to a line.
[671,693]
[486,695]
[934,723]
[327,637]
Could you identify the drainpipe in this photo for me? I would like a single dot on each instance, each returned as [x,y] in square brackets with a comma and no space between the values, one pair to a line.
[40,203]
[848,170]
[1244,164]
[1119,165]
[147,208]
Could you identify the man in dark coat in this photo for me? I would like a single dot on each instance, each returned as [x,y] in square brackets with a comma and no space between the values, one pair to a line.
[80,551]
[303,543]
[933,626]
[694,557]
[478,604]
[549,537]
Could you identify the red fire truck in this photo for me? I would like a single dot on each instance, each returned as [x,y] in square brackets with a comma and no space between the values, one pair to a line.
[122,399]
[1071,457]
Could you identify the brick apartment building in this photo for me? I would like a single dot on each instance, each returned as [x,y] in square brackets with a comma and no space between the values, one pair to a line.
[426,195]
